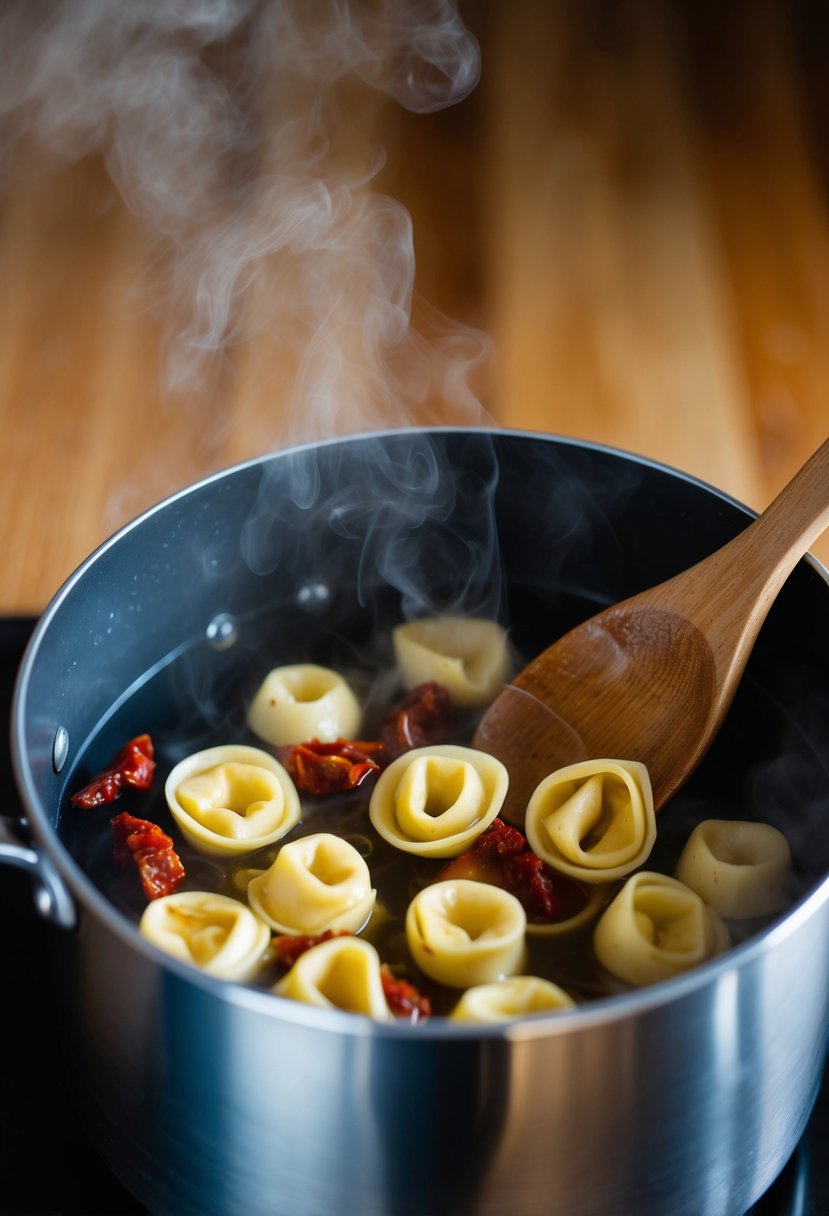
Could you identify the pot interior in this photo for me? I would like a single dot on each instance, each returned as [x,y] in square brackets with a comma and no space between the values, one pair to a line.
[314,556]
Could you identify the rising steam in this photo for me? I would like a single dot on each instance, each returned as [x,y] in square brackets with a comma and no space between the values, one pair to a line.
[239,133]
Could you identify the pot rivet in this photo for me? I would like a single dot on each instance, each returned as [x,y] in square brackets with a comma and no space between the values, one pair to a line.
[313,596]
[60,748]
[223,631]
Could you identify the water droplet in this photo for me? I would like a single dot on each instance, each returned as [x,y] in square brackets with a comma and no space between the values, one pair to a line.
[314,597]
[223,631]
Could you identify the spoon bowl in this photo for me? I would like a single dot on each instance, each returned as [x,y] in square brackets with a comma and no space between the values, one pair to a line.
[651,678]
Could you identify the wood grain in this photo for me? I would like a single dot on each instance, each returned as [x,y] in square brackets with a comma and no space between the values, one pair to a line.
[634,205]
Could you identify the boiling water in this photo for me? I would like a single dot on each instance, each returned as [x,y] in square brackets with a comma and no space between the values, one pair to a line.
[763,767]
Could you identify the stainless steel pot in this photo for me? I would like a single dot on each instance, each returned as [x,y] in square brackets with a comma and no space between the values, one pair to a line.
[209,1098]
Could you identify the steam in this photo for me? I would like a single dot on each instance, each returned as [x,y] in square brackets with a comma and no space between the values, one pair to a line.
[240,133]
[408,512]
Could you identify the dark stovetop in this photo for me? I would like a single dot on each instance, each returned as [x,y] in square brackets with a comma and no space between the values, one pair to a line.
[47,1166]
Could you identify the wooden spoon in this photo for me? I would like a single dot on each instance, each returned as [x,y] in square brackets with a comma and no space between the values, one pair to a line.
[651,678]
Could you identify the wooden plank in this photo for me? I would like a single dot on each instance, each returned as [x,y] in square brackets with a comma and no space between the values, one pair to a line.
[761,157]
[635,205]
[609,308]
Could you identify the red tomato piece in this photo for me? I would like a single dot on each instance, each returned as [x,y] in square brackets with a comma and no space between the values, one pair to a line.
[500,840]
[501,856]
[151,849]
[289,947]
[322,768]
[403,998]
[134,765]
[530,880]
[423,717]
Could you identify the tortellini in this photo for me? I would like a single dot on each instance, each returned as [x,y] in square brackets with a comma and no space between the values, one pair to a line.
[741,869]
[511,998]
[435,800]
[302,702]
[214,932]
[232,799]
[341,973]
[467,655]
[316,883]
[655,928]
[594,820]
[461,932]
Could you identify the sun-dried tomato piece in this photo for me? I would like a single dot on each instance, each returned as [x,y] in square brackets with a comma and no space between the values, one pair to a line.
[501,856]
[322,768]
[134,765]
[160,871]
[530,879]
[403,998]
[289,947]
[500,840]
[151,849]
[423,717]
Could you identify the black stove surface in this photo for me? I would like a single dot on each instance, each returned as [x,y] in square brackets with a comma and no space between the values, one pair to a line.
[47,1165]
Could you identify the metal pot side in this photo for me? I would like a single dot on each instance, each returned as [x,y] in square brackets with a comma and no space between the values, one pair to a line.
[205,1107]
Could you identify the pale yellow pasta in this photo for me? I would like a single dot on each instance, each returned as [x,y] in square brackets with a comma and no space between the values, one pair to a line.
[342,973]
[302,702]
[656,928]
[515,997]
[315,883]
[462,932]
[466,655]
[232,799]
[594,820]
[741,869]
[436,800]
[214,932]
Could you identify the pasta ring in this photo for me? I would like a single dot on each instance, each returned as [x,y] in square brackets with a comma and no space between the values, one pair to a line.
[594,820]
[741,869]
[232,799]
[468,656]
[435,800]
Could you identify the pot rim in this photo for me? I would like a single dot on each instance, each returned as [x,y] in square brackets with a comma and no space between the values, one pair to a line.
[598,1012]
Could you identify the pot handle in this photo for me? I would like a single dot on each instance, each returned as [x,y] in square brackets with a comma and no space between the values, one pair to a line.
[51,897]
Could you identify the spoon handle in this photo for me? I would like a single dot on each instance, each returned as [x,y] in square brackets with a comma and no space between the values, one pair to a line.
[794,520]
[770,548]
[728,594]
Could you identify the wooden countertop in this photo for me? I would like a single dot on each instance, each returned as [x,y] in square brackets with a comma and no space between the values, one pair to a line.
[633,205]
